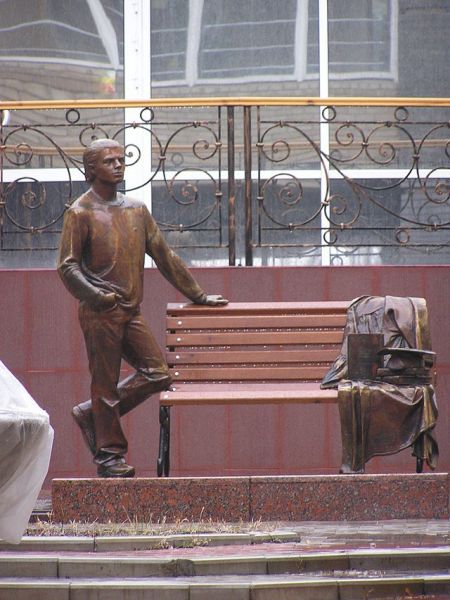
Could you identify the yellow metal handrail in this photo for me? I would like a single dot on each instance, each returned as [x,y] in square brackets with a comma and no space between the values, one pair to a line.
[360,101]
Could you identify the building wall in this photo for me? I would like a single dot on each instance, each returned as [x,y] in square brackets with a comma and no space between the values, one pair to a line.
[41,343]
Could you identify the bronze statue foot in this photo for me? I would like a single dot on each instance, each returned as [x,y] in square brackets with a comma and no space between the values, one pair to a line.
[85,421]
[118,468]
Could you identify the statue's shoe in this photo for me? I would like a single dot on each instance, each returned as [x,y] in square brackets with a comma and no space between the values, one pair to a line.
[118,468]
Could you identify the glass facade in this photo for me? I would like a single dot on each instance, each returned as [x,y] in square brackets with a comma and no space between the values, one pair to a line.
[213,48]
[74,49]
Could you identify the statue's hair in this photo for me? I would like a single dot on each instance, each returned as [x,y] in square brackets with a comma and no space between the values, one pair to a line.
[90,155]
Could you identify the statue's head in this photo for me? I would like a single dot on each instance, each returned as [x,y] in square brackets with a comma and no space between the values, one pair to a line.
[92,153]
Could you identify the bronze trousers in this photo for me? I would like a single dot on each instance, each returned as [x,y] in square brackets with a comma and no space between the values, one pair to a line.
[111,336]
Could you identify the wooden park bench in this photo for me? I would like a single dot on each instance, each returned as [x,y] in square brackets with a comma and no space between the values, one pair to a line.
[248,353]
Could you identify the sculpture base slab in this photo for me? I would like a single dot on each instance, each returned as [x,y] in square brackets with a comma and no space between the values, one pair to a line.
[234,499]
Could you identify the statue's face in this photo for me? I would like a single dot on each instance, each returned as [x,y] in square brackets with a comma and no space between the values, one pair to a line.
[110,165]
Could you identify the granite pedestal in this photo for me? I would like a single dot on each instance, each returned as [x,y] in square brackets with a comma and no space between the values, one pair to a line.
[235,499]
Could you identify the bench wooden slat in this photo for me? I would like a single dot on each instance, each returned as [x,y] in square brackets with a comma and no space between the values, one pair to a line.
[216,356]
[245,395]
[254,339]
[249,374]
[260,308]
[255,321]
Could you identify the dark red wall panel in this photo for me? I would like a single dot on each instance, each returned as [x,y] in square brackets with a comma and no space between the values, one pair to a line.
[41,344]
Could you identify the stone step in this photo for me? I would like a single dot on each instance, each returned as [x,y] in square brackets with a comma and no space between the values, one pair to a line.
[132,543]
[203,562]
[313,535]
[244,587]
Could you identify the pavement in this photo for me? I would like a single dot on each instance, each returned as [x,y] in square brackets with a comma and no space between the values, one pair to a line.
[320,560]
[397,560]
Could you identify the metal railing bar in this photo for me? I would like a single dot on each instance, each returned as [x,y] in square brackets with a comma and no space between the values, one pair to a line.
[50,174]
[225,101]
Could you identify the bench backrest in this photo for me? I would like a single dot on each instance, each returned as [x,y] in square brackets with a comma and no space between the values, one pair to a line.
[243,342]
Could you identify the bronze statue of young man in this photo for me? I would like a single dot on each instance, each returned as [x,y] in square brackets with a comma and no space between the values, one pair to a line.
[104,241]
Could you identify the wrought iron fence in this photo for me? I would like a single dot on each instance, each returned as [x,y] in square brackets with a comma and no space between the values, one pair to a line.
[242,181]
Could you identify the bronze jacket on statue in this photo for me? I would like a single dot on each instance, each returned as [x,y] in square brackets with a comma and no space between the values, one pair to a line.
[103,247]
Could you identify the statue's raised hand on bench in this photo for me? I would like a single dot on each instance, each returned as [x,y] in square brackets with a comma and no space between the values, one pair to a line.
[212,300]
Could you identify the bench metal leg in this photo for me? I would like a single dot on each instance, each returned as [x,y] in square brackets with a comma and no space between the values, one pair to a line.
[163,463]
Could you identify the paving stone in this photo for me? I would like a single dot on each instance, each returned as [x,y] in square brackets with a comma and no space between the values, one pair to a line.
[52,543]
[306,590]
[131,590]
[387,589]
[231,591]
[34,589]
[38,565]
[106,543]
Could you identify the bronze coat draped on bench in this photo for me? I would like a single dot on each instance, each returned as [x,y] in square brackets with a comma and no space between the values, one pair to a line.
[384,417]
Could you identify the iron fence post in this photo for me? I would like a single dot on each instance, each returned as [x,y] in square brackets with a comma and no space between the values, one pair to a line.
[231,189]
[248,185]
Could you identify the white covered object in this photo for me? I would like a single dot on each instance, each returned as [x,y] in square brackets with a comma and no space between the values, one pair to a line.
[26,439]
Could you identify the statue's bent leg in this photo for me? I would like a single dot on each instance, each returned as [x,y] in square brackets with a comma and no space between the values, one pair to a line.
[141,351]
[84,418]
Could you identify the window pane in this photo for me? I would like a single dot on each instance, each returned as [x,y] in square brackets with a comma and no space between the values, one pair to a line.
[249,38]
[313,38]
[389,48]
[57,49]
[385,221]
[32,221]
[423,48]
[213,48]
[359,36]
[169,24]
